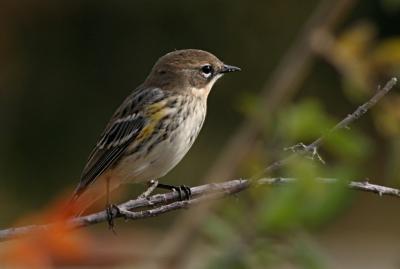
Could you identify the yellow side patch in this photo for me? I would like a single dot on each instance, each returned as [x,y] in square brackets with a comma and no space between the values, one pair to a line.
[155,113]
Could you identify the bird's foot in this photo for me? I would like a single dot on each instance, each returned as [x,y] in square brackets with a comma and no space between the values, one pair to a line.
[112,212]
[184,191]
[152,185]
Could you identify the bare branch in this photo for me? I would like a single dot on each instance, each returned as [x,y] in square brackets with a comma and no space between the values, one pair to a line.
[158,204]
[146,207]
[312,148]
[364,185]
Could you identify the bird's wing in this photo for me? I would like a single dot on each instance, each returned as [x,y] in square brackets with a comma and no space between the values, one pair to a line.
[123,128]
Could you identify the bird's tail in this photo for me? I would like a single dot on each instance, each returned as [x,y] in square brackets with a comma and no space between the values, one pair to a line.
[85,198]
[75,205]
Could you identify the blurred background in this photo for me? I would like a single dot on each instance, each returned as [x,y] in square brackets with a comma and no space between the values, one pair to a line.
[66,66]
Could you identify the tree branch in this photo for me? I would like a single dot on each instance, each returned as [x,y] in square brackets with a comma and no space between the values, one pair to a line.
[349,119]
[158,204]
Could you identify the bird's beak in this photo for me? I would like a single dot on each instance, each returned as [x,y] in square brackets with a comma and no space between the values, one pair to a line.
[229,68]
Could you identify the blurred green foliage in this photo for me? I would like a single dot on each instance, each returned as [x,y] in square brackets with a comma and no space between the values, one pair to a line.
[304,205]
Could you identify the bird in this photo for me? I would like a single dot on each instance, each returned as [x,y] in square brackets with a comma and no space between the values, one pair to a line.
[154,127]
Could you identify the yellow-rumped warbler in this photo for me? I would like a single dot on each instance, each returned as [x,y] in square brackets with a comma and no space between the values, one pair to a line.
[155,126]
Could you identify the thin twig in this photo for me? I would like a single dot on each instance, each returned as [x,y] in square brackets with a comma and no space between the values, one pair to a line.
[158,204]
[354,185]
[343,124]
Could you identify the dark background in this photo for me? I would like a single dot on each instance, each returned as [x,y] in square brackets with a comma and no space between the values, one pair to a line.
[66,66]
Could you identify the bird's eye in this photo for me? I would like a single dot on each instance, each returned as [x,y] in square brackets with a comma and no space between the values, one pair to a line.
[207,70]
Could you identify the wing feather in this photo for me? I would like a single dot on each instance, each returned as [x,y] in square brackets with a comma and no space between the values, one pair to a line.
[123,128]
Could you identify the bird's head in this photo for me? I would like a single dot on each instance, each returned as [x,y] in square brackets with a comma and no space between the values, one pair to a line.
[188,70]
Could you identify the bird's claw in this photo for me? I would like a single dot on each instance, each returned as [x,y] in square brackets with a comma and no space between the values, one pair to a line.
[112,211]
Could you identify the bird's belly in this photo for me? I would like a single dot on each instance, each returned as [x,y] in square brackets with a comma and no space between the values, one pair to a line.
[157,160]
